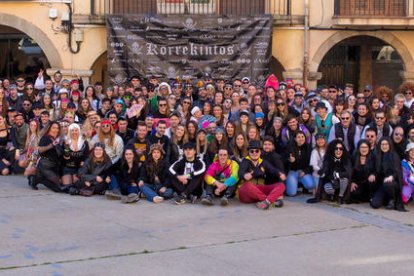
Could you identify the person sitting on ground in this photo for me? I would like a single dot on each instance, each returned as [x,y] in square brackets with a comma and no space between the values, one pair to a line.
[93,175]
[336,173]
[153,180]
[187,175]
[221,178]
[253,172]
[128,174]
[388,177]
[408,174]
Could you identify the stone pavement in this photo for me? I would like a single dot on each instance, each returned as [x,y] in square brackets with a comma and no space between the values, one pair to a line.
[43,233]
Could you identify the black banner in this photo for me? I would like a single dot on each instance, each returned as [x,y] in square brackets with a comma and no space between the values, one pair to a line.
[167,46]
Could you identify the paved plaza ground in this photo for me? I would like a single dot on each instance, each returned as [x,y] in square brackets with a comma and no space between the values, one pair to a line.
[43,233]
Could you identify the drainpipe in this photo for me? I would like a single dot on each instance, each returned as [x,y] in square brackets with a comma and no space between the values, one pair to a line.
[306,44]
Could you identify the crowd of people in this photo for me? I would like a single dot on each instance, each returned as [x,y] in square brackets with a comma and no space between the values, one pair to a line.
[210,140]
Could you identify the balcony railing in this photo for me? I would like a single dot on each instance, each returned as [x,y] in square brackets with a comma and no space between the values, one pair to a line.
[371,8]
[228,7]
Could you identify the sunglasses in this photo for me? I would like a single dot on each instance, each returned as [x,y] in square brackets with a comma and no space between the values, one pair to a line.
[162,105]
[360,97]
[332,91]
[19,80]
[106,125]
[380,118]
[29,88]
[345,118]
[313,100]
[254,151]
[280,104]
[246,82]
[339,148]
[187,102]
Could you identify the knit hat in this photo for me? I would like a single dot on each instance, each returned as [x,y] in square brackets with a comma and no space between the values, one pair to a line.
[156,146]
[259,115]
[106,122]
[272,81]
[194,110]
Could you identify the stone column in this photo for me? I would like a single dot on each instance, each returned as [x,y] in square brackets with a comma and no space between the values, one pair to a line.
[365,66]
[295,74]
[71,74]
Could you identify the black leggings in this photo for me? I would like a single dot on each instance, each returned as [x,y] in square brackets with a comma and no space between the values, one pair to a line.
[384,193]
[47,174]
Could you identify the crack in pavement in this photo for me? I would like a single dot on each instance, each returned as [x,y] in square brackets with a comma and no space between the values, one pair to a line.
[184,247]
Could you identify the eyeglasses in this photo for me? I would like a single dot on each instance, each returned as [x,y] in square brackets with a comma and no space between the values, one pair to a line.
[237,85]
[380,118]
[360,97]
[105,125]
[345,118]
[254,151]
[280,104]
[339,148]
[228,88]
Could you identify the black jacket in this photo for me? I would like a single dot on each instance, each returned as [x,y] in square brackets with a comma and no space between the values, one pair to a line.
[195,168]
[276,161]
[263,171]
[147,176]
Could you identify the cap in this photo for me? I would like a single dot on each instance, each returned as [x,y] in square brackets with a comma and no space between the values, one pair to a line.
[36,106]
[244,112]
[175,113]
[409,147]
[99,145]
[75,93]
[254,145]
[189,145]
[368,87]
[74,81]
[311,95]
[207,76]
[11,87]
[245,79]
[298,94]
[319,136]
[219,129]
[63,90]
[194,110]
[320,105]
[71,105]
[11,109]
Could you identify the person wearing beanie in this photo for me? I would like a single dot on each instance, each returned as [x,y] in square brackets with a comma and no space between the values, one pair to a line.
[153,180]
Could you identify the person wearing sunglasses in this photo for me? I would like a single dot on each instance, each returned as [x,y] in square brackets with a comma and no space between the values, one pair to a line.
[336,172]
[253,173]
[407,89]
[346,131]
[380,123]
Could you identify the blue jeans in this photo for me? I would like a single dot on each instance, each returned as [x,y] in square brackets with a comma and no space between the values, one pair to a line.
[293,180]
[151,190]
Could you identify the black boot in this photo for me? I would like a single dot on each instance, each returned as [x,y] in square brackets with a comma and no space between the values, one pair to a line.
[32,182]
[390,205]
[65,188]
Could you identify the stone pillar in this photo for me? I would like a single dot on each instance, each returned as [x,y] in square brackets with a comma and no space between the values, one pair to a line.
[295,74]
[365,66]
[313,78]
[71,74]
[407,76]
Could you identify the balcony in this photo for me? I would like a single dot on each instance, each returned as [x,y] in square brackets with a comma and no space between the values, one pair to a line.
[280,9]
[376,13]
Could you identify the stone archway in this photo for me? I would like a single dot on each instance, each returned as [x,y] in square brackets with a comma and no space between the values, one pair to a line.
[342,35]
[37,34]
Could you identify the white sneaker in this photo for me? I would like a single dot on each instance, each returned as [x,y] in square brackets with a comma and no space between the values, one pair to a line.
[157,199]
